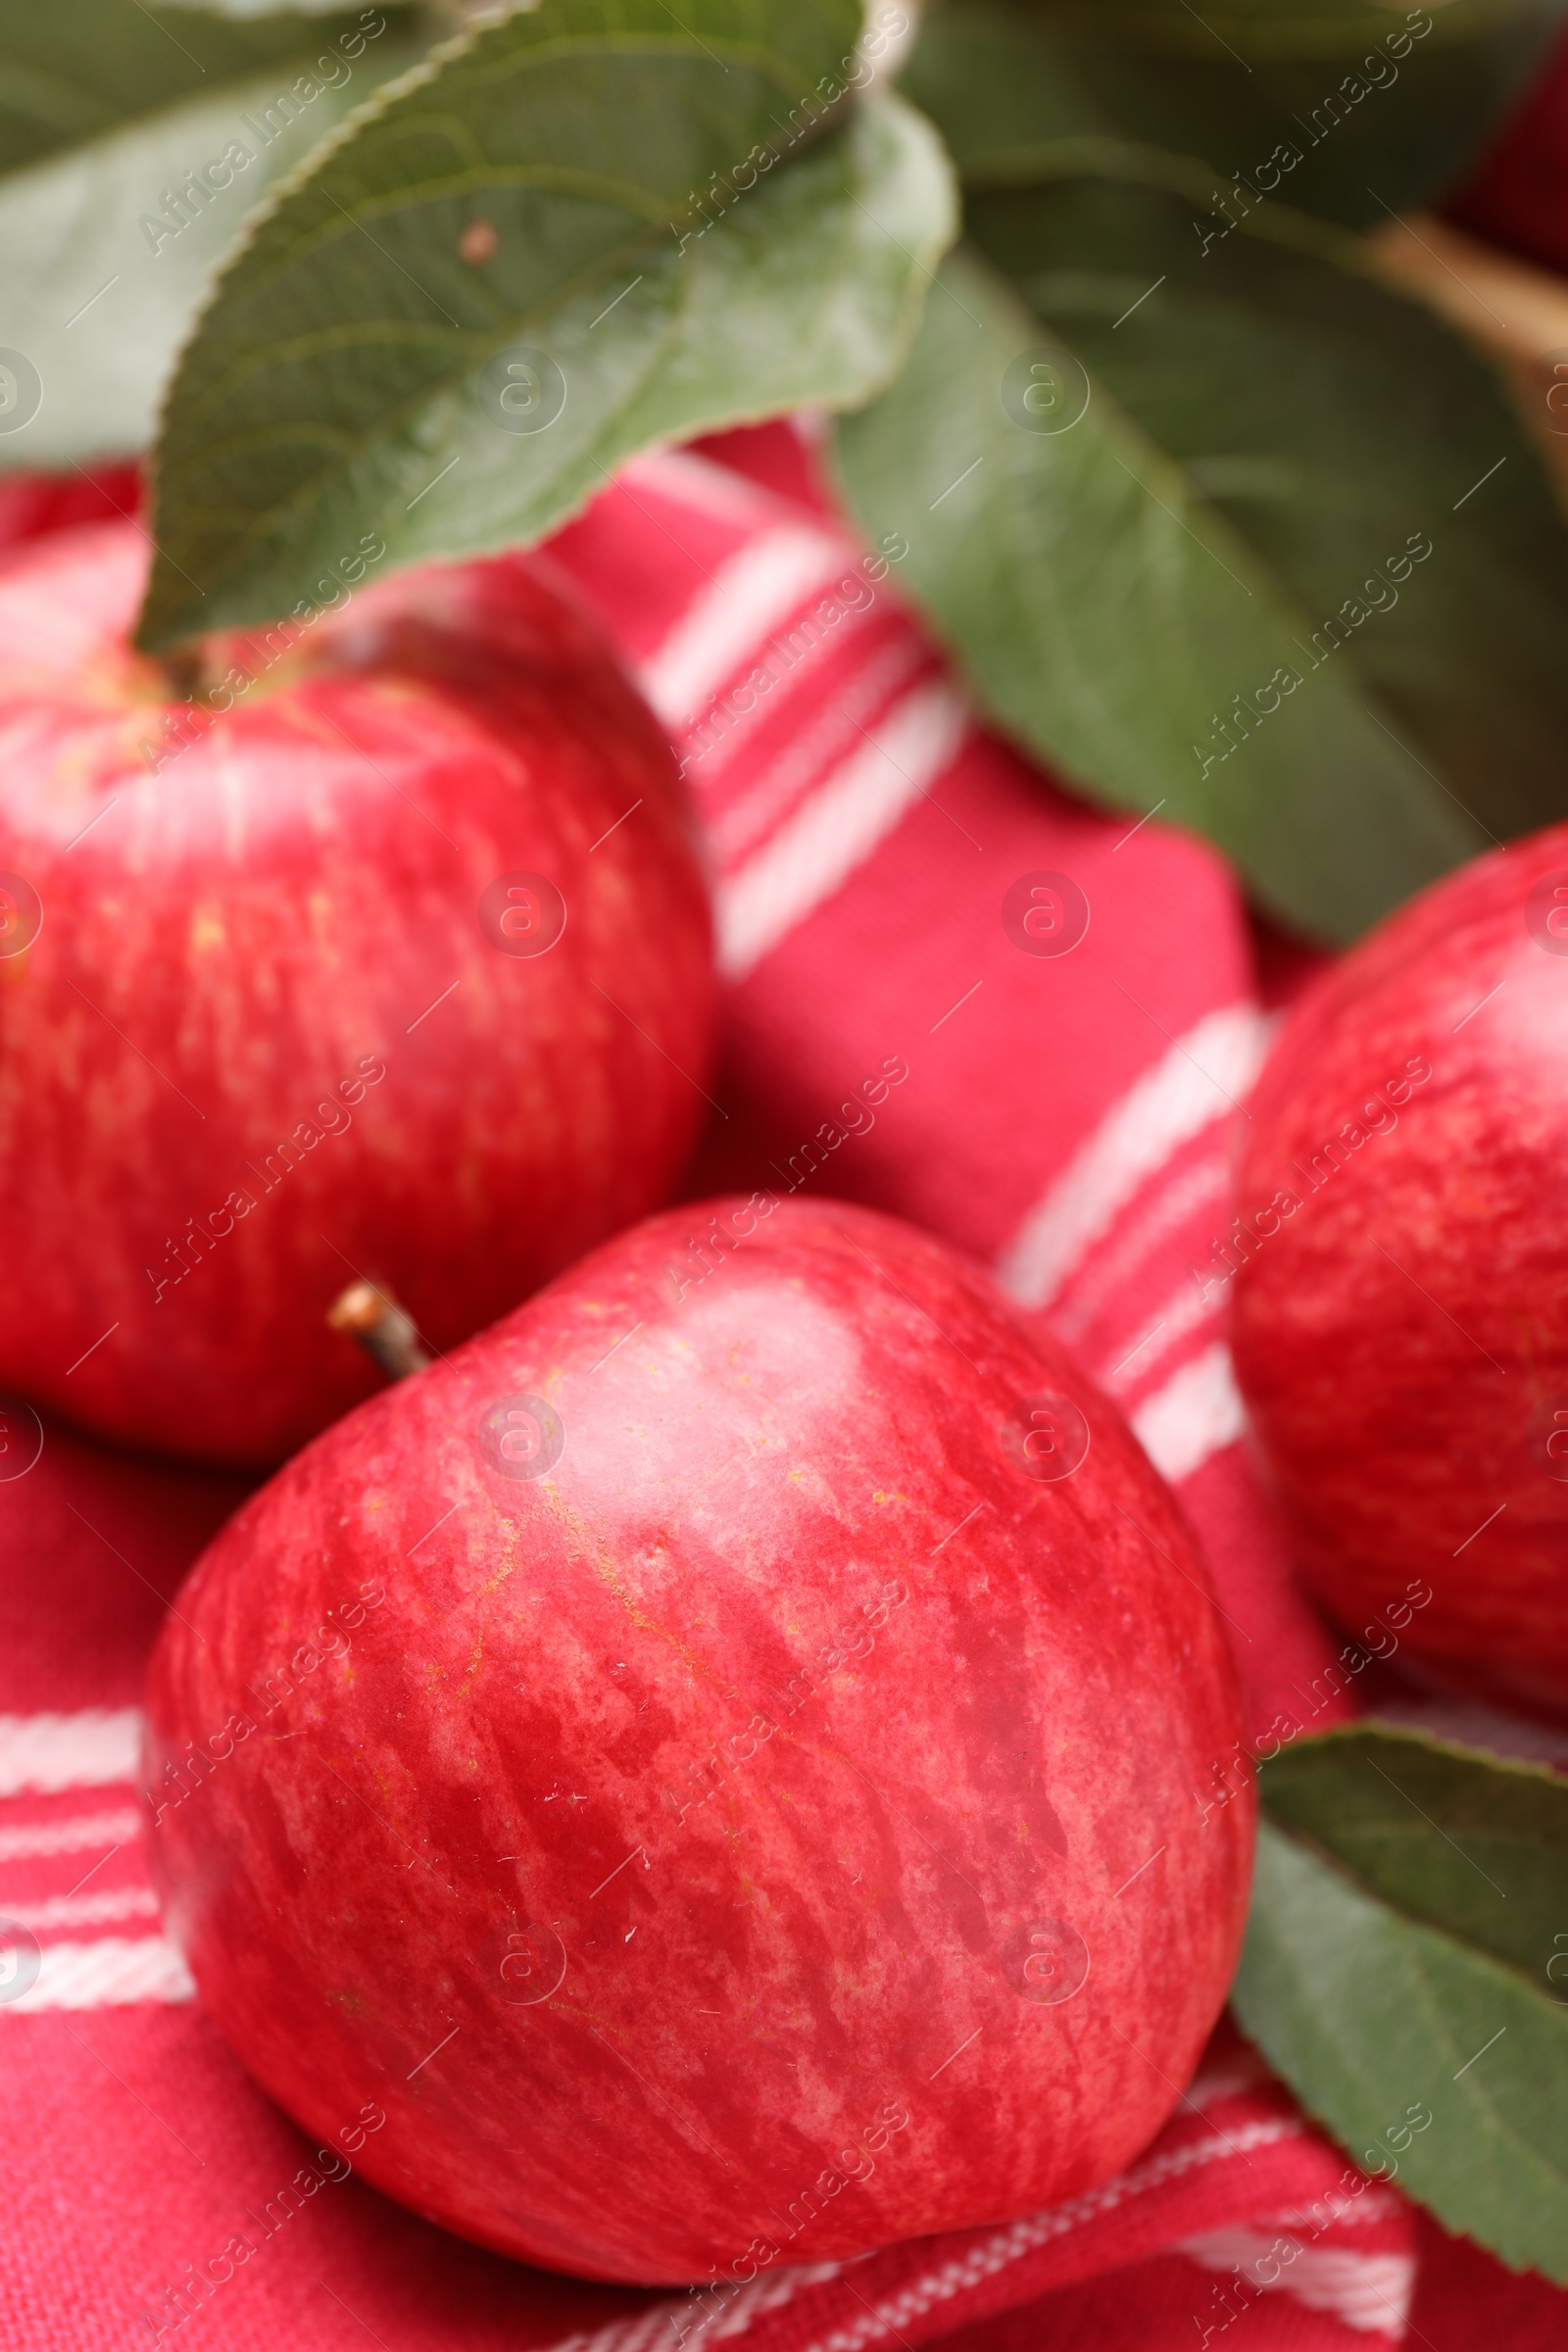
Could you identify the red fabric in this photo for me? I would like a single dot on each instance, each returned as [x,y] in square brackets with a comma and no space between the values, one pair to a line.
[1464,2299]
[1066,1117]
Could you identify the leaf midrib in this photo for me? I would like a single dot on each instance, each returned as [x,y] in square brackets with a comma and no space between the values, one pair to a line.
[391,94]
[1409,1930]
[368,334]
[1190,507]
[248,529]
[1331,1859]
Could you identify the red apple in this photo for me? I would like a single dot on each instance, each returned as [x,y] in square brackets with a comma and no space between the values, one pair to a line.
[1516,190]
[1401,1300]
[388,955]
[738,1764]
[32,503]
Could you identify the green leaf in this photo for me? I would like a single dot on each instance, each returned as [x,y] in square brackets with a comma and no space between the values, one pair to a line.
[1255,30]
[1111,614]
[1294,424]
[1326,418]
[1418,2018]
[1377,112]
[674,238]
[77,70]
[1464,1840]
[107,246]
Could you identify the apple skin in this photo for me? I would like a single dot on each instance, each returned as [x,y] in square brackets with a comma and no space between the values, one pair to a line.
[771,1723]
[32,503]
[1516,190]
[240,931]
[1401,1339]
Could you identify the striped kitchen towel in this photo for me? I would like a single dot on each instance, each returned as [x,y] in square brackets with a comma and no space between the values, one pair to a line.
[955,992]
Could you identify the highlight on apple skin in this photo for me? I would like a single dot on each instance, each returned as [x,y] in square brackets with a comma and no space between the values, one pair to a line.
[1401,1319]
[739,1763]
[386,956]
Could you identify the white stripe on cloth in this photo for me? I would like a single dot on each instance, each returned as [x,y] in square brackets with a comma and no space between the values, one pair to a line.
[816,850]
[760,587]
[74,1835]
[49,1753]
[689,480]
[82,1910]
[1184,1311]
[683,2316]
[996,2253]
[1008,2247]
[1163,1208]
[1369,2292]
[1197,1081]
[113,1971]
[1197,1412]
[814,744]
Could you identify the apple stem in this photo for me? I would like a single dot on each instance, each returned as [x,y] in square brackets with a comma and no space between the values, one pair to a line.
[383,1329]
[183,666]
